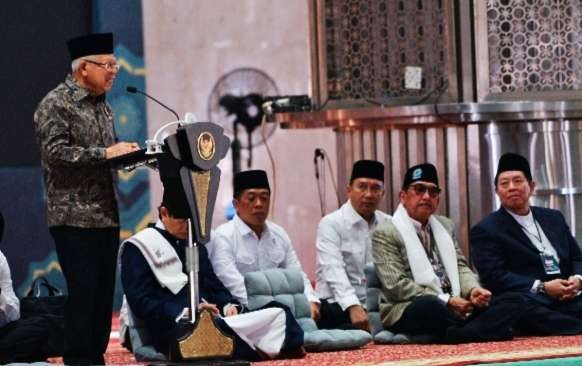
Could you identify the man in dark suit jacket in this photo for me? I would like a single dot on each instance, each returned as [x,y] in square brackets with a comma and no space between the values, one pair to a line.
[530,250]
[155,284]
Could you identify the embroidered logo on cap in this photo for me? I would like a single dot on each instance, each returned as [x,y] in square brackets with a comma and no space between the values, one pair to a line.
[417,173]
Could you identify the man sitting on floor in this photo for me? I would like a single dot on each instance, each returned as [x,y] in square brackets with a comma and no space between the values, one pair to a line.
[530,250]
[250,243]
[427,286]
[344,248]
[155,285]
[21,340]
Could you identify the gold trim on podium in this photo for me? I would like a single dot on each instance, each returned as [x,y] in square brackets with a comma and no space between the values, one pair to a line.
[201,182]
[206,340]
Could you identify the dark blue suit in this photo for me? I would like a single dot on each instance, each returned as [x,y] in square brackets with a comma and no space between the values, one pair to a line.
[507,261]
[158,307]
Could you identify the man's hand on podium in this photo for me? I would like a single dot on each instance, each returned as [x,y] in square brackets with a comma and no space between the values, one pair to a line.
[120,148]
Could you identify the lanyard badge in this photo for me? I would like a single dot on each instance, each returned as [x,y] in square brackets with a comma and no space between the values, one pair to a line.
[549,263]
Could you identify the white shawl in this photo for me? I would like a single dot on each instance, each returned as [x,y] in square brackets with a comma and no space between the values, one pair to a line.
[161,257]
[420,266]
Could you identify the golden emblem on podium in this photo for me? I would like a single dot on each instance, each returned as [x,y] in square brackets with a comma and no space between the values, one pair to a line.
[206,146]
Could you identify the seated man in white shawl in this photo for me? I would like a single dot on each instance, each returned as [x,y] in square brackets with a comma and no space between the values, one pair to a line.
[156,287]
[427,287]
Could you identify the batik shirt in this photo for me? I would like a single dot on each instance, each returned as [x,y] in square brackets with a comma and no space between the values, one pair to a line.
[74,129]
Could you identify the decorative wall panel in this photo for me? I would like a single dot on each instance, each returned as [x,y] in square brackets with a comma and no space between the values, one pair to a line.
[533,45]
[368,43]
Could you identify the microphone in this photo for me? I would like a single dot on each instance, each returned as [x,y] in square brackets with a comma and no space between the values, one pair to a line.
[133,90]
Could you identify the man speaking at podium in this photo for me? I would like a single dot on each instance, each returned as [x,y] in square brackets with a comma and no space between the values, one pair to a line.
[74,126]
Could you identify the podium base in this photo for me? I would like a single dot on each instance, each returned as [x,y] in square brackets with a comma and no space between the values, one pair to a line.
[205,342]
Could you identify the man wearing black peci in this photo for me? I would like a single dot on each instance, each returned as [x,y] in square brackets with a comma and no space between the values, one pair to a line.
[530,250]
[74,126]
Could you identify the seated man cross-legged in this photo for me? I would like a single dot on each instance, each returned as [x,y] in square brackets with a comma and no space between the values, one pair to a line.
[249,242]
[427,287]
[21,339]
[155,284]
[530,250]
[344,248]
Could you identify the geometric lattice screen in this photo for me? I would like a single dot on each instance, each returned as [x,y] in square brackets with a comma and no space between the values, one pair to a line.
[368,44]
[534,45]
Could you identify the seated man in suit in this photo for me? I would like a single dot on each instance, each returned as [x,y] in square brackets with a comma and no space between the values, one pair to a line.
[249,242]
[427,286]
[530,250]
[155,285]
[344,248]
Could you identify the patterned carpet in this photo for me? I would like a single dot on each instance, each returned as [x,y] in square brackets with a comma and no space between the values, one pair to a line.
[531,348]
[466,354]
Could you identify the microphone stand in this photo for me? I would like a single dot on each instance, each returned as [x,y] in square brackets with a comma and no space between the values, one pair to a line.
[133,90]
[192,265]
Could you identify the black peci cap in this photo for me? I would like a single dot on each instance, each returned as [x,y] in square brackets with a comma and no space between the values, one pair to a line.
[174,198]
[368,169]
[425,172]
[90,44]
[250,179]
[512,161]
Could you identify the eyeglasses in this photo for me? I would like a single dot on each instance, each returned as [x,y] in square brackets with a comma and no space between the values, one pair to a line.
[109,66]
[421,189]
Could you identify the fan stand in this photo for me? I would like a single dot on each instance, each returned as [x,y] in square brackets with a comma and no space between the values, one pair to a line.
[236,147]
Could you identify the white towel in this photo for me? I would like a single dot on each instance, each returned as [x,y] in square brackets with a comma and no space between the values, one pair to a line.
[420,266]
[161,257]
[261,329]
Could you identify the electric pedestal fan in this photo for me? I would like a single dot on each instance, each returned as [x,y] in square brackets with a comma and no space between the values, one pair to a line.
[235,103]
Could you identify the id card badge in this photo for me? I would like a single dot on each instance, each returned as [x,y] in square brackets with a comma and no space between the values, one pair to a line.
[550,264]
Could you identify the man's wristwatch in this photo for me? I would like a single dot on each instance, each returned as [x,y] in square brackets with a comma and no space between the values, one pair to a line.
[541,288]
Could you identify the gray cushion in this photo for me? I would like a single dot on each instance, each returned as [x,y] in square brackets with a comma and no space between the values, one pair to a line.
[139,337]
[286,286]
[381,335]
[335,339]
[282,285]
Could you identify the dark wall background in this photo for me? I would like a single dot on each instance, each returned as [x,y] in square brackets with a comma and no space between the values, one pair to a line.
[34,60]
